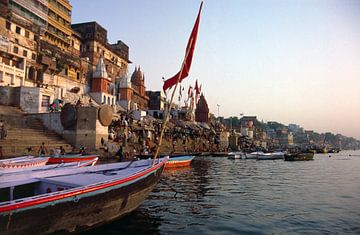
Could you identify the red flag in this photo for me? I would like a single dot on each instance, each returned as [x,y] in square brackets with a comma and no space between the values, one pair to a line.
[197,88]
[188,56]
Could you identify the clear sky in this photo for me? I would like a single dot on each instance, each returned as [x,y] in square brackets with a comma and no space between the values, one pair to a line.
[281,60]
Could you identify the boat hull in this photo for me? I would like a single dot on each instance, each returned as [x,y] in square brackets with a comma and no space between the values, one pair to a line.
[23,162]
[179,162]
[88,211]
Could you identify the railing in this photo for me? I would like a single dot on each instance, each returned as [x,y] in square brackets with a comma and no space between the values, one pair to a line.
[12,70]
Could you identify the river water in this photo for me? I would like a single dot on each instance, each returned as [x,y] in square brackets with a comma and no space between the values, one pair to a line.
[216,195]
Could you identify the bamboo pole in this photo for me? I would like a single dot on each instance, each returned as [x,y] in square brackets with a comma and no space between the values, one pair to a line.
[171,102]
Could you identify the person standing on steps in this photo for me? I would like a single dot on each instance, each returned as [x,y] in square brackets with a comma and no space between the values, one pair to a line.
[2,130]
[42,149]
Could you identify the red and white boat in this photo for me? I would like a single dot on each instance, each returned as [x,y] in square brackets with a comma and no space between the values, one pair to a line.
[180,161]
[23,162]
[38,171]
[76,199]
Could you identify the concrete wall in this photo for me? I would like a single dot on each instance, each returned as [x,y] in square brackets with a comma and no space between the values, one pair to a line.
[89,130]
[32,99]
[50,120]
[10,96]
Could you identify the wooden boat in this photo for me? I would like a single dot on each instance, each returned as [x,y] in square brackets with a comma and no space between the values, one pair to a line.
[17,174]
[236,155]
[23,162]
[147,156]
[53,159]
[77,199]
[299,157]
[271,156]
[179,161]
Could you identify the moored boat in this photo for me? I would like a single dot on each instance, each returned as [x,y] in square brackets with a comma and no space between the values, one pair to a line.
[23,162]
[78,199]
[56,159]
[179,161]
[236,155]
[271,156]
[299,157]
[16,174]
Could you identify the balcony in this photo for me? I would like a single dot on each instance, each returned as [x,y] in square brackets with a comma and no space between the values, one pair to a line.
[57,11]
[12,70]
[65,3]
[59,26]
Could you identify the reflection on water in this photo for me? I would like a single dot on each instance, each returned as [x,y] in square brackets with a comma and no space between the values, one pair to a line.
[223,196]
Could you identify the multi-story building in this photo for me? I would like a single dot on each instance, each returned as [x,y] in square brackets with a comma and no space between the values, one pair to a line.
[156,100]
[95,45]
[58,23]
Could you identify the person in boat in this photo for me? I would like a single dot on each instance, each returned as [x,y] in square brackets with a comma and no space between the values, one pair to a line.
[42,149]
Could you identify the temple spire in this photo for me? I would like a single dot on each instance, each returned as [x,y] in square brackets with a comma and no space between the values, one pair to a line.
[100,71]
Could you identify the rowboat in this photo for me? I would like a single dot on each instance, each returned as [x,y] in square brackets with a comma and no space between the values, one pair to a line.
[179,161]
[77,199]
[299,157]
[55,159]
[16,174]
[23,162]
[236,155]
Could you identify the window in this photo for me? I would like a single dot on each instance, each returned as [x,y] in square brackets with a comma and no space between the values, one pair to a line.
[18,30]
[16,41]
[8,25]
[33,56]
[27,34]
[15,49]
[25,53]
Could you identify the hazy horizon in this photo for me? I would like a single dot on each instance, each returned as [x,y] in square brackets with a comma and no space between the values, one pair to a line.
[285,61]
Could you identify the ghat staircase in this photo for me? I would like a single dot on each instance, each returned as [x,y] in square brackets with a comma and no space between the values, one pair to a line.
[26,133]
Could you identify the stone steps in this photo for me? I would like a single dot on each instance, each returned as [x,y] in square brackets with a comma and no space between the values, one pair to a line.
[25,134]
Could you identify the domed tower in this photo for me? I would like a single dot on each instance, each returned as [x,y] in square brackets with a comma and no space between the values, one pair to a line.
[138,81]
[202,110]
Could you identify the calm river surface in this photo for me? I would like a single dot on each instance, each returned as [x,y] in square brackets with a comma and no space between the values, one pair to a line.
[217,195]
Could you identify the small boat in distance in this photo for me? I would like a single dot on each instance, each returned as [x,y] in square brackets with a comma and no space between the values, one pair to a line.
[299,157]
[77,199]
[23,162]
[179,161]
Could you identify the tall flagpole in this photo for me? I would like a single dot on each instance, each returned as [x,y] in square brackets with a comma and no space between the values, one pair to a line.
[171,102]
